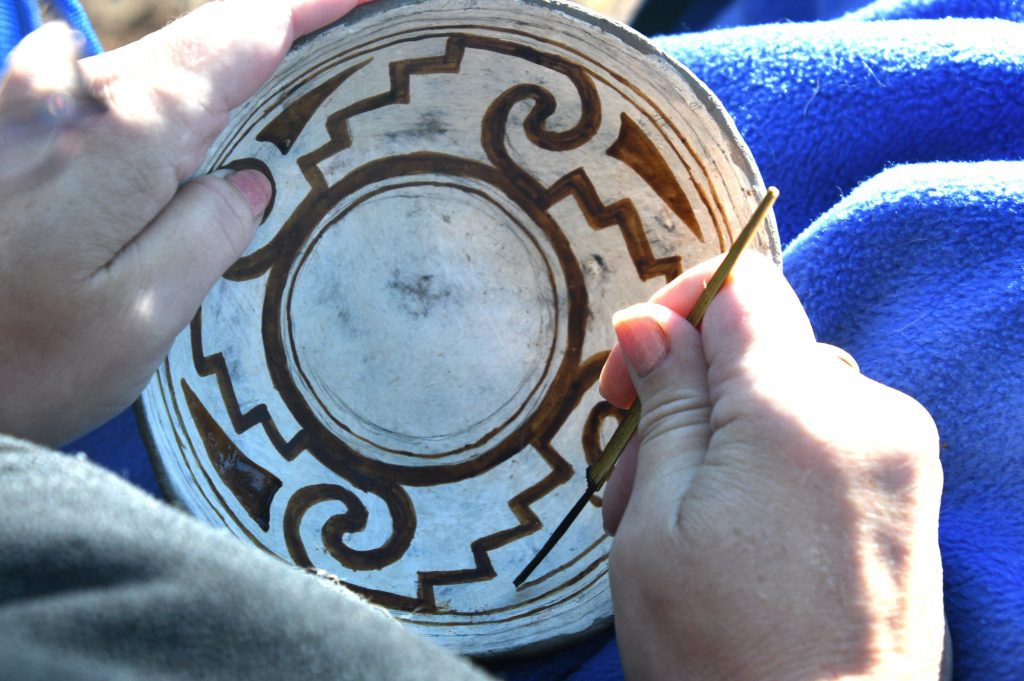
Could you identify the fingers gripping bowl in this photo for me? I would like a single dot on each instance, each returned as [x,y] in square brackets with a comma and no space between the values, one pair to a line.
[397,382]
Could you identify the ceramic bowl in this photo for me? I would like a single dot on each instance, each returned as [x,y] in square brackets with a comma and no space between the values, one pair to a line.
[396,384]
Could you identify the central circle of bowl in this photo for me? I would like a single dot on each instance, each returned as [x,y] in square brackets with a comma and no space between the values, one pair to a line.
[423,321]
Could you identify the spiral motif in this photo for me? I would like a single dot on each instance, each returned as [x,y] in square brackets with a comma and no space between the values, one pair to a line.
[396,382]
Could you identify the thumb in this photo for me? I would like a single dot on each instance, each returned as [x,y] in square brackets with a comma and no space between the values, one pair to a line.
[171,266]
[665,358]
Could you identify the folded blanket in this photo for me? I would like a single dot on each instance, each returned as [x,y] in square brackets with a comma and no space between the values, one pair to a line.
[895,134]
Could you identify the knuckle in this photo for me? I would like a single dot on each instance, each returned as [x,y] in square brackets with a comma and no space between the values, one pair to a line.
[679,416]
[909,454]
[920,435]
[677,408]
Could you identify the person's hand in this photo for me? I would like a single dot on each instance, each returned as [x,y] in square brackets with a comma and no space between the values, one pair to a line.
[779,518]
[105,254]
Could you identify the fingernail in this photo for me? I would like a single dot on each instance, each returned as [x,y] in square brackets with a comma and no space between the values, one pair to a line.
[254,186]
[642,341]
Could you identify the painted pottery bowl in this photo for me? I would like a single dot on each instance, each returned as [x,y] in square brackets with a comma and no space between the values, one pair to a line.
[396,384]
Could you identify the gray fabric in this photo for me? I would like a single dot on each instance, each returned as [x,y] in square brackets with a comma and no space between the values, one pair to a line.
[100,581]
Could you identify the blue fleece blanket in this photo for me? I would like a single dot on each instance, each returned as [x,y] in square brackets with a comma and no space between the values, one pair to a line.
[896,135]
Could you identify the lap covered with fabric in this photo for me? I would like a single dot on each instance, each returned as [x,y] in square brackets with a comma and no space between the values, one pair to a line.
[98,580]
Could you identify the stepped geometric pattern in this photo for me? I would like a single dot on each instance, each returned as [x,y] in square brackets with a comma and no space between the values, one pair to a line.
[396,384]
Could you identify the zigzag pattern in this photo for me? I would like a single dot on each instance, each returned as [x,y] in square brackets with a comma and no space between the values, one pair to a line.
[215,365]
[623,213]
[400,73]
[529,522]
[575,184]
[561,472]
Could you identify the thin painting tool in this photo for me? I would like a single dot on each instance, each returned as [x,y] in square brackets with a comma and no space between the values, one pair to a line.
[600,470]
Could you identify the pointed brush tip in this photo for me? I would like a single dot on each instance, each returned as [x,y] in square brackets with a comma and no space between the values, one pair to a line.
[522,577]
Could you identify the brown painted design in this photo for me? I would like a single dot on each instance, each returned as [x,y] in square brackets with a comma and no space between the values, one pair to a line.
[221,507]
[214,365]
[591,437]
[574,375]
[325,446]
[561,472]
[286,127]
[393,495]
[577,183]
[253,485]
[622,213]
[411,166]
[256,263]
[637,151]
[403,527]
